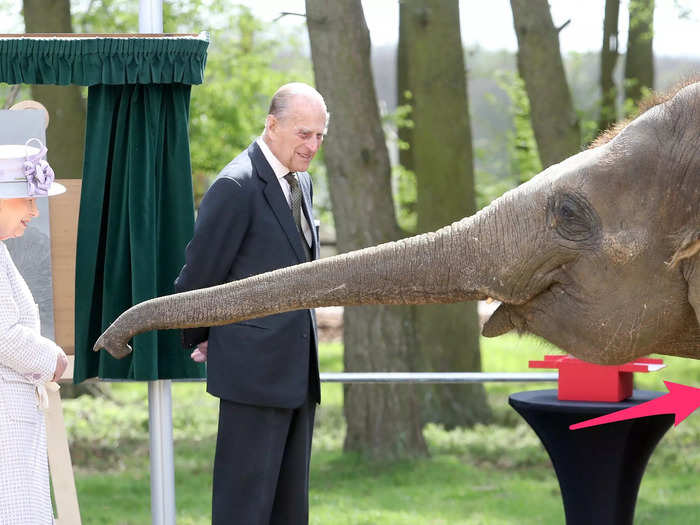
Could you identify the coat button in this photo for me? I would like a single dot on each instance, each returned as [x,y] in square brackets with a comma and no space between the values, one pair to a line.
[305,335]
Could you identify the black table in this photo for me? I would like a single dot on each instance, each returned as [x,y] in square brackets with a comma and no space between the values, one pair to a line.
[599,468]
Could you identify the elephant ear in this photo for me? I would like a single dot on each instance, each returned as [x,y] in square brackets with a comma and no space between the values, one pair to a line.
[688,255]
[694,283]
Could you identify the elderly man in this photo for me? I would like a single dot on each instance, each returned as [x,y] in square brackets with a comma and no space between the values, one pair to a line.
[257,217]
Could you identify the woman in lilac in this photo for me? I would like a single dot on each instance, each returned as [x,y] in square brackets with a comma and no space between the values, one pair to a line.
[27,360]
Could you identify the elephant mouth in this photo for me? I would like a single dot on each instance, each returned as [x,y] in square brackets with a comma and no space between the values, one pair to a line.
[517,316]
[503,320]
[524,311]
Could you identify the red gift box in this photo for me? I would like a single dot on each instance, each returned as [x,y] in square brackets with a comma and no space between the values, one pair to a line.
[583,381]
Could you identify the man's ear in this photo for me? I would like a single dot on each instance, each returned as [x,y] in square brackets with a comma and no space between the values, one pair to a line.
[271,123]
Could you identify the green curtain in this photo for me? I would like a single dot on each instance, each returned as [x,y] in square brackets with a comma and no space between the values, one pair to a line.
[136,207]
[136,216]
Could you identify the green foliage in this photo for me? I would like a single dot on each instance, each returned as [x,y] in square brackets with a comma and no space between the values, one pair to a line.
[105,16]
[122,16]
[121,496]
[403,180]
[246,64]
[521,144]
[525,161]
[400,118]
[11,94]
[464,480]
[642,14]
[587,107]
[99,428]
[493,445]
[228,110]
[589,127]
[489,187]
[446,489]
[630,107]
[330,359]
[405,190]
[247,61]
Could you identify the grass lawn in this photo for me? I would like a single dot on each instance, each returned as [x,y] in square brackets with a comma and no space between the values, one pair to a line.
[494,474]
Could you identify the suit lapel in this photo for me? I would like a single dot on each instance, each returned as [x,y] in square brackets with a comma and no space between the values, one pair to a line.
[275,198]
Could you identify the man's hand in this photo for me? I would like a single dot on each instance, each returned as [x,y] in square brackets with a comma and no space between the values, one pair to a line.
[61,364]
[200,353]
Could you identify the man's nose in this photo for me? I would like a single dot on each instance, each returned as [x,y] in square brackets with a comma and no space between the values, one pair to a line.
[314,144]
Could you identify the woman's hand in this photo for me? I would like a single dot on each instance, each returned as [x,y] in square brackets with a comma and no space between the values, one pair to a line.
[61,365]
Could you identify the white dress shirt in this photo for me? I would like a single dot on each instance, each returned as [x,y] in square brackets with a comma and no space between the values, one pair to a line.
[280,171]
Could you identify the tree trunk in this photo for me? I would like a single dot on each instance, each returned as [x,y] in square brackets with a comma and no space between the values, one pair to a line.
[65,135]
[639,64]
[383,420]
[608,61]
[448,335]
[540,65]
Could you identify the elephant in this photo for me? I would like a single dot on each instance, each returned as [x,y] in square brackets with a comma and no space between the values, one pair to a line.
[598,254]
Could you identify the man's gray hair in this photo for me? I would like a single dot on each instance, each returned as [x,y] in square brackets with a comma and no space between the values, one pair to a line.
[281,100]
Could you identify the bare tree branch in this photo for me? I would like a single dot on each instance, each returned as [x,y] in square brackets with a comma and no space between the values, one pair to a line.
[563,25]
[10,101]
[287,13]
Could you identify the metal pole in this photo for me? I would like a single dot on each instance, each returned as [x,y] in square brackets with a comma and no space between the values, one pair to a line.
[156,456]
[161,444]
[160,418]
[150,16]
[439,377]
[429,377]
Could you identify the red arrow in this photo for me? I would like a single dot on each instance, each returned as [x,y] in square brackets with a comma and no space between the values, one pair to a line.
[681,400]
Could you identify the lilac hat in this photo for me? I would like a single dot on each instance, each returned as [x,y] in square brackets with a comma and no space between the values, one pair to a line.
[24,171]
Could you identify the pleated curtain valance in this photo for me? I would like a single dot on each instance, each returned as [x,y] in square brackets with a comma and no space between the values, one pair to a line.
[136,204]
[107,60]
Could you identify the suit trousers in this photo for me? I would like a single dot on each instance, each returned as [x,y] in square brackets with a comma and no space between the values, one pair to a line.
[261,467]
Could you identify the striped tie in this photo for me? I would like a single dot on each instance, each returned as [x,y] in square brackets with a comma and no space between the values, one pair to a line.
[295,197]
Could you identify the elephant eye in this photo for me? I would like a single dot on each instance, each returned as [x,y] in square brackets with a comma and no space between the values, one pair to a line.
[567,211]
[572,217]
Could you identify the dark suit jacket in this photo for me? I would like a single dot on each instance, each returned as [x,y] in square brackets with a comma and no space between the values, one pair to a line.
[245,227]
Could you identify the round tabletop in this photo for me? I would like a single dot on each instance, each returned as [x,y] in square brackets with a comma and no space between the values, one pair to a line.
[547,401]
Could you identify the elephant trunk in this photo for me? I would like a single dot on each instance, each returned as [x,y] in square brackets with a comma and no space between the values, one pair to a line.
[438,267]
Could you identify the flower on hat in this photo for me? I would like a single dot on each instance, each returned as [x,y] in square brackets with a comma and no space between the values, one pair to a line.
[25,172]
[39,175]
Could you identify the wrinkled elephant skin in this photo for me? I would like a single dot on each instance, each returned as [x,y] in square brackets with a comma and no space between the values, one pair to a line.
[597,254]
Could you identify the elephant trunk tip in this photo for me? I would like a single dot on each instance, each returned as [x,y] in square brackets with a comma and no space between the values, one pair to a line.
[116,348]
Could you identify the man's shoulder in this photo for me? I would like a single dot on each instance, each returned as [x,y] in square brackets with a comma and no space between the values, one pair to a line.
[239,170]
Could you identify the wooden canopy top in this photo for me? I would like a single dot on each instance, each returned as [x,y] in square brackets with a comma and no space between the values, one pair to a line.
[99,35]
